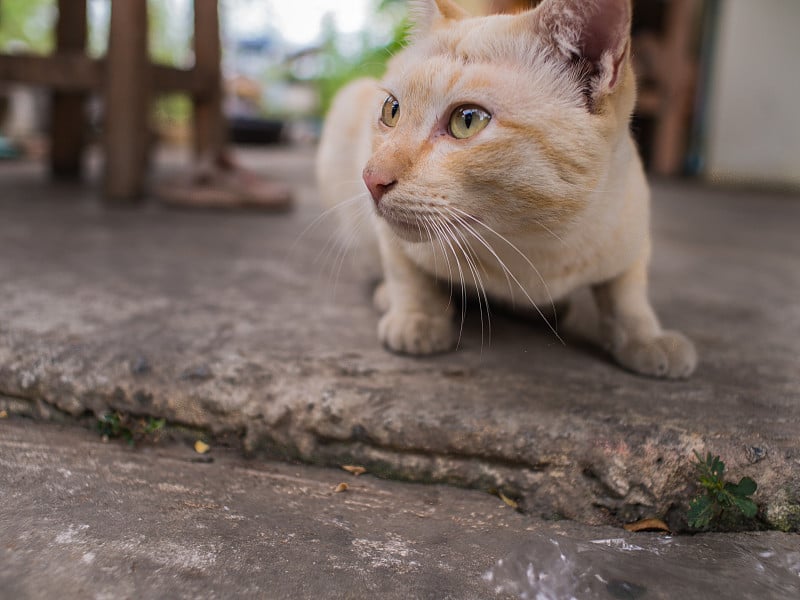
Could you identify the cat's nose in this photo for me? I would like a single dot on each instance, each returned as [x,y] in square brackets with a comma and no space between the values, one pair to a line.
[378,184]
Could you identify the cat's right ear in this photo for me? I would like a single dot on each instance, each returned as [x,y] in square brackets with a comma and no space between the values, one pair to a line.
[426,14]
[591,35]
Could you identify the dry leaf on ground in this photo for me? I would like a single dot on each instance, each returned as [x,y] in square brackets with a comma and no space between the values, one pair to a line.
[354,470]
[512,503]
[342,487]
[647,525]
[201,447]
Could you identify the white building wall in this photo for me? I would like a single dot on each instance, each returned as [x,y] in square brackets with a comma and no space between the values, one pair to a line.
[754,111]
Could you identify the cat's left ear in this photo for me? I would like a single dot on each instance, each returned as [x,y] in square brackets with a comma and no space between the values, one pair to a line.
[592,35]
[426,13]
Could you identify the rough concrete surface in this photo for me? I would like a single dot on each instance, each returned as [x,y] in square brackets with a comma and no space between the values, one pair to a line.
[84,519]
[249,326]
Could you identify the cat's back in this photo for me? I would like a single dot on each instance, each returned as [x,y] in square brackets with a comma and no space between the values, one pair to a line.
[346,142]
[344,148]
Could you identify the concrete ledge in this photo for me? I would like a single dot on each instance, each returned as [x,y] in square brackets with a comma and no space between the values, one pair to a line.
[82,519]
[233,323]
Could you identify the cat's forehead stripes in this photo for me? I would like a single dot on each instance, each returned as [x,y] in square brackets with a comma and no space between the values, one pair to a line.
[489,56]
[497,39]
[430,90]
[439,83]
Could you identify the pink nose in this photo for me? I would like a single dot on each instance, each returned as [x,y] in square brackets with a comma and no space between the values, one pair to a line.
[378,184]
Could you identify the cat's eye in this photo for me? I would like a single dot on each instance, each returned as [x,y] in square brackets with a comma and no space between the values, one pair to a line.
[466,121]
[390,113]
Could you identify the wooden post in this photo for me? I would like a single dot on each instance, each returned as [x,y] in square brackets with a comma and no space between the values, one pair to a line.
[68,116]
[209,124]
[669,143]
[127,96]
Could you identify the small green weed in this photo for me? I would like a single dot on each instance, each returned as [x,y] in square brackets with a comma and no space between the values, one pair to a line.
[720,497]
[119,426]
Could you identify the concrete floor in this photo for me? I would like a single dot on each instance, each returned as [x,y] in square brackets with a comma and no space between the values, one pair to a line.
[244,326]
[80,518]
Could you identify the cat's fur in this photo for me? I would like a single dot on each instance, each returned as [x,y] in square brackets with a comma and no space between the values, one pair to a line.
[548,198]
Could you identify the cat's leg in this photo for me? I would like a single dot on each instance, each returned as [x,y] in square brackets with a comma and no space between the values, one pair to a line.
[632,333]
[418,317]
[380,298]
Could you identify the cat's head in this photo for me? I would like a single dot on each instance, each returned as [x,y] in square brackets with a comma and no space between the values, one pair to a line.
[507,120]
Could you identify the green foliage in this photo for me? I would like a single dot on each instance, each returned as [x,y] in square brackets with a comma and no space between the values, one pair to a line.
[720,497]
[170,39]
[32,22]
[115,425]
[153,425]
[29,22]
[172,110]
[370,62]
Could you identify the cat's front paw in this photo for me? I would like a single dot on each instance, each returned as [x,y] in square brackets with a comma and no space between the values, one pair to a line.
[418,333]
[670,355]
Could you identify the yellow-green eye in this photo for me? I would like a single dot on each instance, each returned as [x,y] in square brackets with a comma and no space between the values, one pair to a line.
[390,113]
[466,121]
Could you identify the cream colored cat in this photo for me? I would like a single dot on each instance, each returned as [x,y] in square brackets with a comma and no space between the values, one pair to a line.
[496,155]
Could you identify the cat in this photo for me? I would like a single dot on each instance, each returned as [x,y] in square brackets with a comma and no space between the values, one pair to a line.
[495,155]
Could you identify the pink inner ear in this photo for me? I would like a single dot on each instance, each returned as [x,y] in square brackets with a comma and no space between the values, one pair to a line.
[591,33]
[616,67]
[605,30]
[597,31]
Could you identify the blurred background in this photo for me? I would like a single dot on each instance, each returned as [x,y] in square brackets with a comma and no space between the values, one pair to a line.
[719,79]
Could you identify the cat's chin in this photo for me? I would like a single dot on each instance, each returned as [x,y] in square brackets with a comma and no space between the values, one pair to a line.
[408,231]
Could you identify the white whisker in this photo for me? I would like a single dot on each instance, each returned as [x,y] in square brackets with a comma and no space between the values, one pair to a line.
[436,235]
[460,221]
[324,214]
[442,226]
[478,281]
[474,261]
[550,231]
[345,246]
[469,228]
